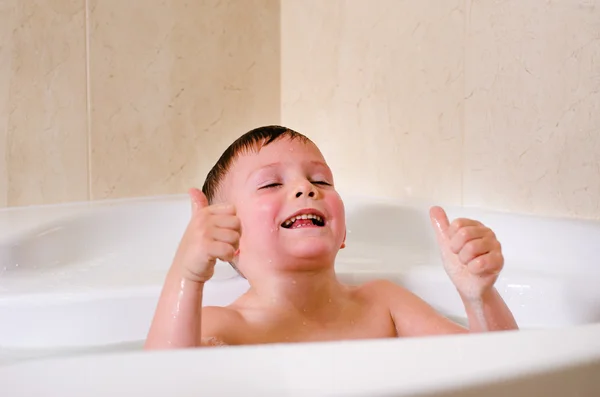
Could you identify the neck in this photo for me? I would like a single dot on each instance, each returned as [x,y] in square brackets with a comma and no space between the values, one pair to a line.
[306,291]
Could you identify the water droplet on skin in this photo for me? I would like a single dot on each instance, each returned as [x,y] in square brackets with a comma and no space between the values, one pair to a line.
[303,322]
[329,300]
[293,281]
[304,310]
[270,261]
[291,149]
[272,230]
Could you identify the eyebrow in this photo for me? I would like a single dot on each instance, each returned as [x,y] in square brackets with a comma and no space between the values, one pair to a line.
[275,165]
[272,165]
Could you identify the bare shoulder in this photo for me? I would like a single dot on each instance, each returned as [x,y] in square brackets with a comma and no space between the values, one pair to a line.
[396,297]
[384,290]
[412,315]
[385,293]
[220,326]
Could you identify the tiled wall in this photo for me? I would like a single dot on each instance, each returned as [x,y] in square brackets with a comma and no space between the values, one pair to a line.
[486,103]
[110,98]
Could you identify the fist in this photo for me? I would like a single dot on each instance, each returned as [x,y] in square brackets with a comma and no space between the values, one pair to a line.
[471,254]
[212,233]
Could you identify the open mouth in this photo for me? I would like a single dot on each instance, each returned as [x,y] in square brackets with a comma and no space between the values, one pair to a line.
[304,220]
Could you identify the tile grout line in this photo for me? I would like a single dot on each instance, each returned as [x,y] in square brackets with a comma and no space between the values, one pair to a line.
[281,7]
[466,6]
[88,100]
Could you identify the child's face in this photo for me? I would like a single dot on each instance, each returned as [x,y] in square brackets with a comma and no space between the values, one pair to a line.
[267,188]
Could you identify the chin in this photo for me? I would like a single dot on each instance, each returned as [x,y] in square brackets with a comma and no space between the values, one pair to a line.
[313,249]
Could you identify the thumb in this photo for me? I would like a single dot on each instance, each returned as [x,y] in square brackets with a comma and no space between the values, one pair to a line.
[440,223]
[198,199]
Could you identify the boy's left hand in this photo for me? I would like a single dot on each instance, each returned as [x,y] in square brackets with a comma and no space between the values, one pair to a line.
[471,254]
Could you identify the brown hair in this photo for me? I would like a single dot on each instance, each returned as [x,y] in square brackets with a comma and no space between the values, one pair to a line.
[251,140]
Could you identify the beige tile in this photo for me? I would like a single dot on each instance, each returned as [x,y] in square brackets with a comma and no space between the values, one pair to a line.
[172,84]
[532,123]
[7,21]
[46,149]
[380,87]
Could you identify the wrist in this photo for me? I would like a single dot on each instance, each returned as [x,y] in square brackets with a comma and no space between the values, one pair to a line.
[185,277]
[479,298]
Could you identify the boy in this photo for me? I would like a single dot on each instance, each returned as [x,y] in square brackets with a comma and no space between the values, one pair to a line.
[269,207]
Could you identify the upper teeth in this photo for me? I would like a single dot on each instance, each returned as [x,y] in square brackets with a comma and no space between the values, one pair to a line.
[303,216]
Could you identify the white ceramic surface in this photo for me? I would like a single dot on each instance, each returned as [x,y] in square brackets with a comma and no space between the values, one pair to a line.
[85,278]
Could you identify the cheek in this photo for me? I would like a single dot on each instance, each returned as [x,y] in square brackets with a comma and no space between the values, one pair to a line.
[258,218]
[336,206]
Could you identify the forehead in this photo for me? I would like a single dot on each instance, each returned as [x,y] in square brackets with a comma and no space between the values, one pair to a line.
[284,151]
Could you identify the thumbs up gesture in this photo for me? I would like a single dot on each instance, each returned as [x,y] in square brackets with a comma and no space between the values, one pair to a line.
[471,254]
[212,233]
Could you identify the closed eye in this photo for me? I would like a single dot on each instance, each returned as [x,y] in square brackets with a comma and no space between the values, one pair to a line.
[270,185]
[321,183]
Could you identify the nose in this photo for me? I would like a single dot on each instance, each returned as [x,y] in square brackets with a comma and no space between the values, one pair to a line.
[305,189]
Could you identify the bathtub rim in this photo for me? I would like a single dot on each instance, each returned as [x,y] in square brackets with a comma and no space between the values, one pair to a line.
[459,349]
[347,196]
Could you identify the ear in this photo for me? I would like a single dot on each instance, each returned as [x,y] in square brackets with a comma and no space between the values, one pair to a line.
[344,240]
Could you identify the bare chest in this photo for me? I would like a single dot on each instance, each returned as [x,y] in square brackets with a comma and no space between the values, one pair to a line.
[351,322]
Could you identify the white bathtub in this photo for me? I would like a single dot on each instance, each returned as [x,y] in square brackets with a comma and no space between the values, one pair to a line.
[82,279]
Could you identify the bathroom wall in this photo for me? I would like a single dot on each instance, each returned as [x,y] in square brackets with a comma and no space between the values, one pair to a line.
[109,98]
[484,103]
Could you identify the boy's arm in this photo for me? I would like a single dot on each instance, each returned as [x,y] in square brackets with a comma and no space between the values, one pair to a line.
[180,320]
[212,233]
[178,317]
[472,257]
[413,316]
[489,313]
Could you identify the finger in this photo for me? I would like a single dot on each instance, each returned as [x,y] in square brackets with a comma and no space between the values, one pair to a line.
[198,200]
[487,264]
[466,234]
[439,221]
[222,209]
[227,222]
[475,248]
[459,223]
[221,250]
[226,236]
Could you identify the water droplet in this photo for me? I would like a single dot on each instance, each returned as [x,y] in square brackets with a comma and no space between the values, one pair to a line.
[293,281]
[291,149]
[304,310]
[303,322]
[272,230]
[329,300]
[270,261]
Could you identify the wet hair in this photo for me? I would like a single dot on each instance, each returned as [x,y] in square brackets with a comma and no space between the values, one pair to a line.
[252,140]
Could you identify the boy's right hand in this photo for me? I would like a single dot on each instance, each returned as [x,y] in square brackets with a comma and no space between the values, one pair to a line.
[212,233]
